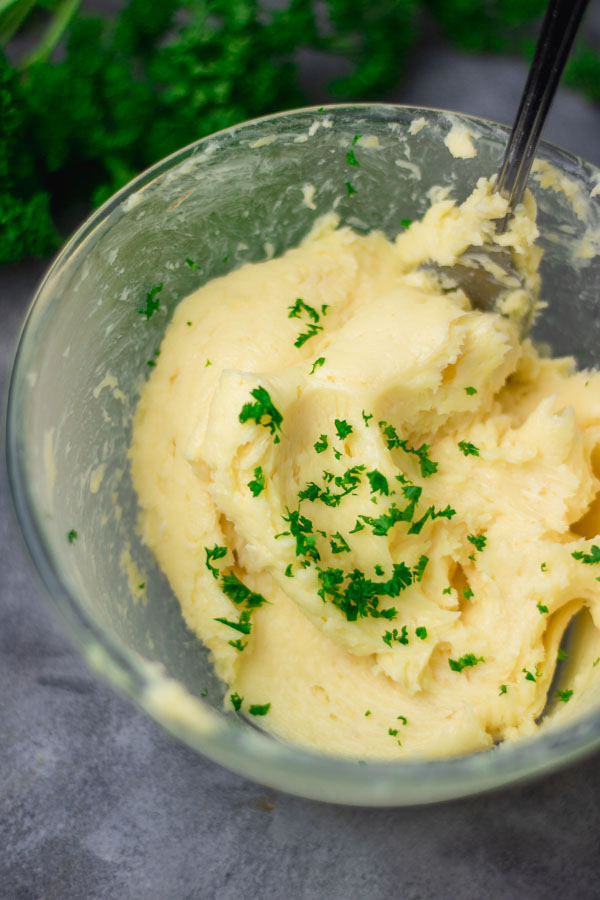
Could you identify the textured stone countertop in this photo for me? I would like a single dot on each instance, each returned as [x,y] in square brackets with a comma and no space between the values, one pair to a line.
[97,802]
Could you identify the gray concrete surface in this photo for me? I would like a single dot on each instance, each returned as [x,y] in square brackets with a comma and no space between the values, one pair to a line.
[97,803]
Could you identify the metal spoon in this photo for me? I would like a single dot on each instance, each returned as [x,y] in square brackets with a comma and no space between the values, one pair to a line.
[487,273]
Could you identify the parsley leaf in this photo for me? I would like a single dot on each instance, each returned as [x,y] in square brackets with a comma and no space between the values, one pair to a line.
[565,696]
[427,466]
[358,527]
[304,336]
[419,570]
[238,645]
[378,482]
[72,536]
[263,408]
[393,732]
[470,391]
[356,139]
[214,553]
[542,607]
[351,159]
[349,188]
[469,659]
[368,712]
[562,654]
[244,626]
[299,307]
[288,571]
[366,417]
[589,559]
[322,444]
[191,263]
[238,592]
[318,362]
[236,701]
[468,449]
[258,709]
[406,223]
[302,529]
[503,689]
[544,567]
[421,632]
[529,676]
[258,483]
[152,302]
[343,428]
[394,636]
[339,543]
[479,541]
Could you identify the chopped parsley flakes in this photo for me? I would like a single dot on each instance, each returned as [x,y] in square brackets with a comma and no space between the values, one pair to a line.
[378,482]
[152,302]
[288,571]
[479,541]
[214,553]
[343,428]
[588,559]
[236,701]
[503,689]
[468,449]
[258,483]
[395,637]
[529,676]
[318,362]
[544,567]
[351,159]
[322,444]
[302,309]
[419,571]
[466,661]
[564,696]
[238,645]
[356,139]
[72,536]
[191,263]
[562,654]
[366,418]
[259,709]
[406,223]
[470,391]
[542,607]
[263,412]
[349,188]
[339,544]
[427,466]
[421,632]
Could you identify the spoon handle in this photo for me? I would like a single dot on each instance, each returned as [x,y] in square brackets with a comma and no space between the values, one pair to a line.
[558,30]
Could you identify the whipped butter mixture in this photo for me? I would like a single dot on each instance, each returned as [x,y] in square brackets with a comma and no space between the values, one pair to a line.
[376,506]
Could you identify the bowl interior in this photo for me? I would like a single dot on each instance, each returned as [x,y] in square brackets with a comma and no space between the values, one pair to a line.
[241,196]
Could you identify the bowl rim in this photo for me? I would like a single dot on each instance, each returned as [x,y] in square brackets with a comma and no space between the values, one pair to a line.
[254,754]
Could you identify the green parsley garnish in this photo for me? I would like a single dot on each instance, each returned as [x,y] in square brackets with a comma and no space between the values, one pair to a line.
[393,732]
[562,654]
[469,659]
[366,418]
[351,159]
[343,428]
[406,223]
[596,661]
[467,593]
[238,593]
[468,449]
[447,590]
[238,645]
[503,689]
[419,569]
[421,632]
[188,323]
[368,712]
[542,607]
[318,362]
[431,513]
[263,409]
[244,625]
[150,362]
[339,543]
[296,311]
[589,559]
[207,364]
[72,536]
[304,336]
[360,596]
[236,701]
[300,307]
[259,709]
[529,676]
[379,570]
[302,529]
[141,586]
[402,719]
[356,139]
[349,188]
[152,302]
[565,696]
[258,483]
[544,567]
[479,541]
[378,482]
[393,637]
[214,553]
[427,466]
[358,527]
[191,263]
[322,444]
[470,391]
[288,571]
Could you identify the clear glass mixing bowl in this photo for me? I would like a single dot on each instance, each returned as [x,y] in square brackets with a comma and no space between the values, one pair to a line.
[240,195]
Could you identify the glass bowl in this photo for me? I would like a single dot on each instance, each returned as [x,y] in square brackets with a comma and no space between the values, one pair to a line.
[242,195]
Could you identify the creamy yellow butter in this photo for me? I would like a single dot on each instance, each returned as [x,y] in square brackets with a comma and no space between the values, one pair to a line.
[448,475]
